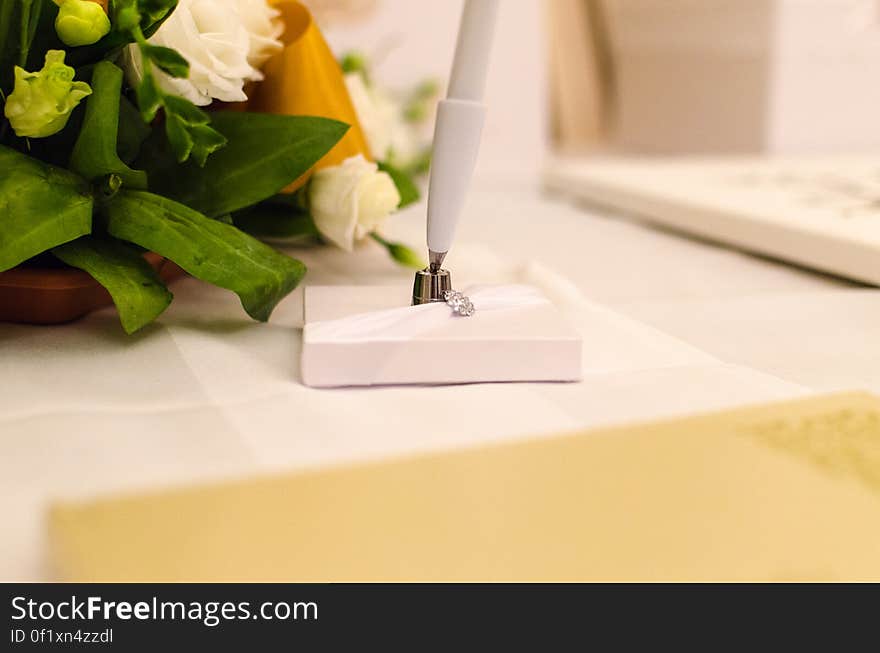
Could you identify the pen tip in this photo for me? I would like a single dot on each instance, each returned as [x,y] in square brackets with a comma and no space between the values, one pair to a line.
[436,260]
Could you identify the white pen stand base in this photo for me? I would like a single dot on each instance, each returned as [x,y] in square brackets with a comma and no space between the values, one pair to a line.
[366,336]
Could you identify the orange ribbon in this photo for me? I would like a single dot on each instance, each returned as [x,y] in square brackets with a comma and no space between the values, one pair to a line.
[305,79]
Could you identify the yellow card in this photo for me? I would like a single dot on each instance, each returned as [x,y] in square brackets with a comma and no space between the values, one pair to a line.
[781,492]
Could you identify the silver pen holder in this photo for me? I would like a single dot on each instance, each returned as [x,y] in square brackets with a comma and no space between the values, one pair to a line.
[431,286]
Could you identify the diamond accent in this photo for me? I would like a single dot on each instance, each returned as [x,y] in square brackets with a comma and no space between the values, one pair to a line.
[459,303]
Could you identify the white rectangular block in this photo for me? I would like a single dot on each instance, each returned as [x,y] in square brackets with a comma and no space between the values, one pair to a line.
[363,336]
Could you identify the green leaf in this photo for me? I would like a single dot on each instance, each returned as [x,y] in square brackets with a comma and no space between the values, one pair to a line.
[178,137]
[19,20]
[208,249]
[401,253]
[266,220]
[186,110]
[189,132]
[41,207]
[206,141]
[154,13]
[133,131]
[264,155]
[409,192]
[136,289]
[9,34]
[168,60]
[30,19]
[95,153]
[187,127]
[149,96]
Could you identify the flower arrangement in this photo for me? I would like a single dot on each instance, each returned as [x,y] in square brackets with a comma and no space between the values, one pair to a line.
[185,128]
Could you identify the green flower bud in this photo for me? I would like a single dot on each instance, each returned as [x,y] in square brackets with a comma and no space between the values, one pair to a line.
[41,103]
[81,22]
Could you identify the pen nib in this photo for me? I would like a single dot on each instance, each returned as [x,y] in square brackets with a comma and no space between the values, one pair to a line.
[436,260]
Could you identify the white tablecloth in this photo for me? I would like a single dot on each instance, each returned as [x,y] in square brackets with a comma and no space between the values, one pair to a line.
[671,326]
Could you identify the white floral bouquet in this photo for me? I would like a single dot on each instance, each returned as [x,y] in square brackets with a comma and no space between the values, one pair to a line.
[107,151]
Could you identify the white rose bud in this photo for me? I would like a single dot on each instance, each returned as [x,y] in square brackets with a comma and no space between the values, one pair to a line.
[351,200]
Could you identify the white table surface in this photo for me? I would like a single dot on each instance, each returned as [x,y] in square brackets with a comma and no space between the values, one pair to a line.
[671,326]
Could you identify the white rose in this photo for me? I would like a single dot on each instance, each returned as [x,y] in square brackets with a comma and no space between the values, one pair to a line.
[264,27]
[224,41]
[351,200]
[390,137]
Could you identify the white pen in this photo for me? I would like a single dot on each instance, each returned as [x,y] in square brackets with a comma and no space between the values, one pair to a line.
[460,119]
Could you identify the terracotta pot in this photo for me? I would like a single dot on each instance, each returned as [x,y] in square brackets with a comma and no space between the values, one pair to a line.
[56,296]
